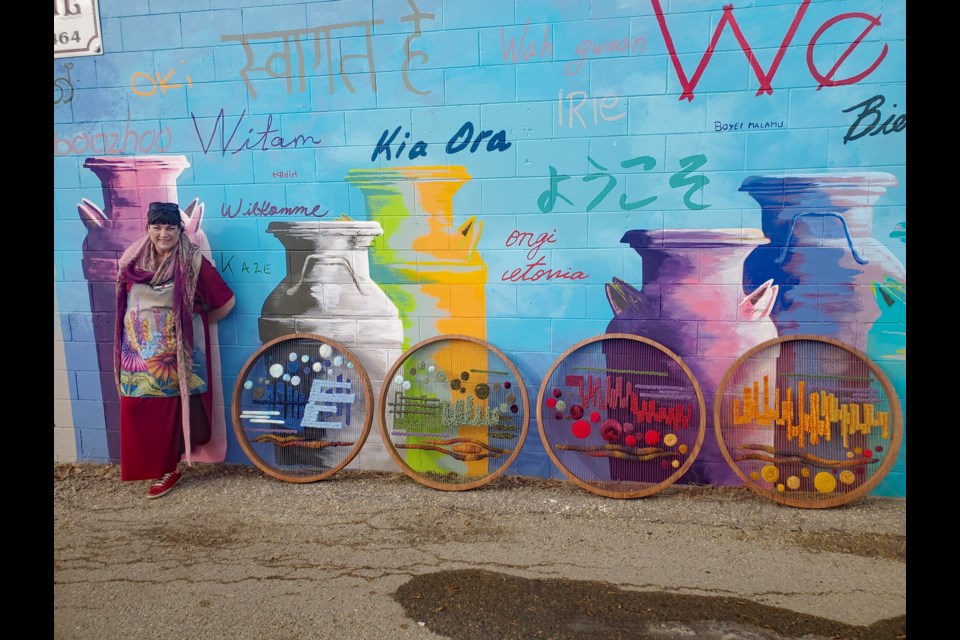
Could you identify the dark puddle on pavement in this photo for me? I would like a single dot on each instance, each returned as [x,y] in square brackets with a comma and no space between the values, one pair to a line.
[476,604]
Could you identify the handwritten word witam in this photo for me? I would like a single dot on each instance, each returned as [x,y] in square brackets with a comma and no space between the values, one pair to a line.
[260,140]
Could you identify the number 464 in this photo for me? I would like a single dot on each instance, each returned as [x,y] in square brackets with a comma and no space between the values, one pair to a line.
[65,37]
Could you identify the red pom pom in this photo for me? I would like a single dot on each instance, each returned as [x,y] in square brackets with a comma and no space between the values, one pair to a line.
[631,441]
[594,417]
[867,453]
[576,412]
[557,393]
[651,437]
[558,415]
[610,430]
[581,428]
[551,402]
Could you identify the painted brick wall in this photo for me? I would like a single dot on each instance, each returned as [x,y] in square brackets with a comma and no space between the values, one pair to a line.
[597,117]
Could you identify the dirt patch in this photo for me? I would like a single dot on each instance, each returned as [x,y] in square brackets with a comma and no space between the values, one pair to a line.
[478,605]
[866,545]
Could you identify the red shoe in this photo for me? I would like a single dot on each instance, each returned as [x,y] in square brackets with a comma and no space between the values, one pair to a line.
[163,486]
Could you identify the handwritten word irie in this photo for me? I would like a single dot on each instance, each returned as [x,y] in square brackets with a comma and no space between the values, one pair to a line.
[266,209]
[262,140]
[462,139]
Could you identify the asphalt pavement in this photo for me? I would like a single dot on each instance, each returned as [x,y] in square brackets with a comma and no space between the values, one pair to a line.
[232,553]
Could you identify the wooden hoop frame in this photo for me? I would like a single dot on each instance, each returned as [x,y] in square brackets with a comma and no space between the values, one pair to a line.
[891,452]
[523,402]
[236,410]
[650,488]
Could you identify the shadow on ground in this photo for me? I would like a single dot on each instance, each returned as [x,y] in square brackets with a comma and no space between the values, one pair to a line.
[476,604]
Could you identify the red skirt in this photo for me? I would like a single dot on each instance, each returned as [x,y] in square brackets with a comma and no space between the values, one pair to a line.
[151,433]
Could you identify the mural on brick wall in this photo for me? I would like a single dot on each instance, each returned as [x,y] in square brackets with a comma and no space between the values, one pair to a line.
[709,176]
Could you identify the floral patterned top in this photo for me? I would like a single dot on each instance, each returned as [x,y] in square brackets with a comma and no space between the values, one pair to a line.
[148,351]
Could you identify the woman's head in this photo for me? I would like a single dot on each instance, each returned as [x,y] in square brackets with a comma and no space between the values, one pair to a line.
[164,226]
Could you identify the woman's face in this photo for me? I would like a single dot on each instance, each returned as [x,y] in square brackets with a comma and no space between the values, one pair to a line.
[164,237]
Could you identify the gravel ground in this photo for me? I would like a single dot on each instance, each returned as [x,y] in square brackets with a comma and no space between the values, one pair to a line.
[232,553]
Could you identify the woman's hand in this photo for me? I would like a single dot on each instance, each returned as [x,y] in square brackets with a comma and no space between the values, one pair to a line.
[215,315]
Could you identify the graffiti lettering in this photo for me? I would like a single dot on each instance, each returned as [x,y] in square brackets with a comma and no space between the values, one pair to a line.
[325,41]
[869,117]
[523,50]
[415,18]
[513,50]
[383,146]
[280,65]
[63,85]
[265,209]
[723,126]
[519,238]
[521,274]
[534,243]
[766,77]
[588,48]
[243,267]
[113,142]
[739,126]
[263,143]
[461,140]
[547,199]
[162,82]
[497,143]
[599,108]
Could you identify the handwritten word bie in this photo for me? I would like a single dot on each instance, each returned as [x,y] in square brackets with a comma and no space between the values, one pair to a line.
[871,107]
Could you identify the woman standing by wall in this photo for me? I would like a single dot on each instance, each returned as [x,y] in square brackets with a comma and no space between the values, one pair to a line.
[167,295]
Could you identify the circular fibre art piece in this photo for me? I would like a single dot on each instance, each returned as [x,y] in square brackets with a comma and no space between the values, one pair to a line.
[808,421]
[621,416]
[453,412]
[302,407]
